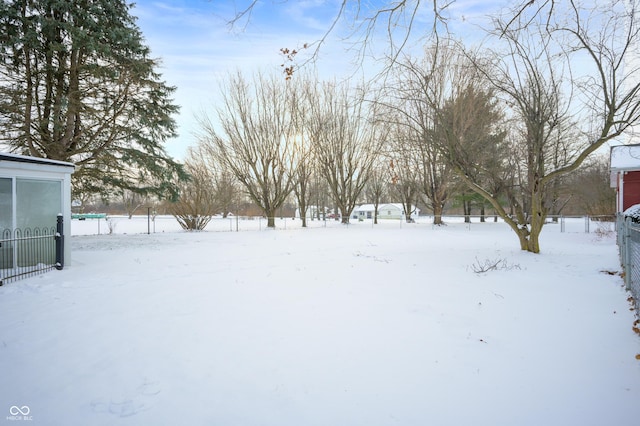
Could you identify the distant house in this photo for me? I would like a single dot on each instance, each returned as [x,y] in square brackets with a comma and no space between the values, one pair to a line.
[625,175]
[33,191]
[385,211]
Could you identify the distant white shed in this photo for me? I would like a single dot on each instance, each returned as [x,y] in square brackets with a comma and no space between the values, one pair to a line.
[385,211]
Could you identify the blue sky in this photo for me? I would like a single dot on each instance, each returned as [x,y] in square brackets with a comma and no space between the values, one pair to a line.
[198,48]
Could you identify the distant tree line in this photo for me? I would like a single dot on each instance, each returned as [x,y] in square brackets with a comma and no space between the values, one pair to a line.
[505,127]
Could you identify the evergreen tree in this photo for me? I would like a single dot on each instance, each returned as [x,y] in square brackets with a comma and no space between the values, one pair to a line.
[77,83]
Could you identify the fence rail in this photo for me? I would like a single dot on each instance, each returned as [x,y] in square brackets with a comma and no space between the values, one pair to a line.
[628,235]
[30,251]
[164,223]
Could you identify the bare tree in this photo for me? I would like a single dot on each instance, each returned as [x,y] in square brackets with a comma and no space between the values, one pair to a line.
[301,189]
[197,201]
[412,99]
[226,186]
[303,158]
[345,140]
[378,186]
[318,194]
[435,176]
[404,168]
[560,69]
[546,93]
[256,142]
[447,122]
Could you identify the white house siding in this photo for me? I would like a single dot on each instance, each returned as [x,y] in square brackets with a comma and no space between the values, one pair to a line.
[33,191]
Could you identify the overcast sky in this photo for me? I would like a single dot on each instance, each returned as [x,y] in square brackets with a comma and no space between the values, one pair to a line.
[198,48]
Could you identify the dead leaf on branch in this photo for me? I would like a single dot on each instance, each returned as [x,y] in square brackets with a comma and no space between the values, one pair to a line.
[289,57]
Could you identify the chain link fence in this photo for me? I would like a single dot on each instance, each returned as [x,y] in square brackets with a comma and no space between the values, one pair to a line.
[114,224]
[628,234]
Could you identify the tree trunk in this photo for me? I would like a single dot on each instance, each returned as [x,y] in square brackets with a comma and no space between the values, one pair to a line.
[529,234]
[344,214]
[466,207]
[302,206]
[523,236]
[537,219]
[271,218]
[437,213]
[534,241]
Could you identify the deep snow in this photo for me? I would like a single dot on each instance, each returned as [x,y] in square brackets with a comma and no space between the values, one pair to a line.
[333,325]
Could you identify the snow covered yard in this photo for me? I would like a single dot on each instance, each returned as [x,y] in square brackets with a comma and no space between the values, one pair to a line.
[329,326]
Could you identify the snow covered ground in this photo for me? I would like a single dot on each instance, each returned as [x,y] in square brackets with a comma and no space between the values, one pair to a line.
[333,325]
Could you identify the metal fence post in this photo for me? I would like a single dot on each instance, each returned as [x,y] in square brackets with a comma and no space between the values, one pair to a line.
[59,243]
[626,243]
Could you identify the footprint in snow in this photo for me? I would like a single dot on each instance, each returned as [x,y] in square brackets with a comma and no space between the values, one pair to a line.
[129,405]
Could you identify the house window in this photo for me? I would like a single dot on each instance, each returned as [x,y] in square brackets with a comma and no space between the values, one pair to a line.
[6,203]
[38,203]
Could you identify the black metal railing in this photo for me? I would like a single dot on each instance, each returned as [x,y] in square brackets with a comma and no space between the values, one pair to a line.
[30,251]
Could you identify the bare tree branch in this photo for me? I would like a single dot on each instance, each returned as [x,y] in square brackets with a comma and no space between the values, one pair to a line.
[397,19]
